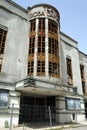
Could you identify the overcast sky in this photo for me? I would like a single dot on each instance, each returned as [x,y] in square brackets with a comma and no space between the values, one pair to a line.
[73,18]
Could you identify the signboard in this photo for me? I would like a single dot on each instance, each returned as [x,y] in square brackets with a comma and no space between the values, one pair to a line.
[4,95]
[73,104]
[44,12]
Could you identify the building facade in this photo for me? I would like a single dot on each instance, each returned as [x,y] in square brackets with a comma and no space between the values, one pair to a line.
[39,65]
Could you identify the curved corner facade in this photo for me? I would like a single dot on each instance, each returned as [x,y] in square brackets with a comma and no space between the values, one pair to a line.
[40,66]
[44,42]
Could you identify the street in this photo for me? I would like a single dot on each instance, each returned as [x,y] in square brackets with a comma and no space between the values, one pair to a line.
[78,128]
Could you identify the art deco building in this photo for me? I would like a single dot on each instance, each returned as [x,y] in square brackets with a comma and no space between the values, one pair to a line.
[40,66]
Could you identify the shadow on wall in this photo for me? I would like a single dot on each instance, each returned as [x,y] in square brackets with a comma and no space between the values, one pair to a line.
[4,77]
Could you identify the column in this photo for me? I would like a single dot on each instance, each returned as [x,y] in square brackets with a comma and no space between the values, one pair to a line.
[46,48]
[35,51]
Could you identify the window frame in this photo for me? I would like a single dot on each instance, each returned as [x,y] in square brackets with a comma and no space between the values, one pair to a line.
[40,67]
[53,46]
[32,45]
[69,71]
[82,72]
[52,69]
[52,26]
[32,25]
[3,34]
[41,25]
[30,68]
[2,91]
[41,44]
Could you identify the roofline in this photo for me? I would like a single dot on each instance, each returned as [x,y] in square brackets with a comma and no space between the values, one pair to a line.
[17,5]
[68,37]
[43,4]
[14,8]
[82,53]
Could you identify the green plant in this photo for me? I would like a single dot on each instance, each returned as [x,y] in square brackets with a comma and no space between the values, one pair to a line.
[6,124]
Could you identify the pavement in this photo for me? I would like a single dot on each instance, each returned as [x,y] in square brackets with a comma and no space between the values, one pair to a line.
[63,126]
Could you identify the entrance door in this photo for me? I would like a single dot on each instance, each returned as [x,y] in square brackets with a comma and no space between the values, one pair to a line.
[33,109]
[86,110]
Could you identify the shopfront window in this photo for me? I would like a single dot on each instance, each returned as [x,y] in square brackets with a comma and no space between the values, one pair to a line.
[4,97]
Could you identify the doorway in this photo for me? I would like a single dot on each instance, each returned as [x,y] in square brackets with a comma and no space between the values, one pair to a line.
[86,109]
[35,109]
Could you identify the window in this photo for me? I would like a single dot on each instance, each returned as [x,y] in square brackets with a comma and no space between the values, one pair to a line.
[31,45]
[40,67]
[83,87]
[41,44]
[31,56]
[32,25]
[2,40]
[82,72]
[53,69]
[30,68]
[83,78]
[69,71]
[30,65]
[4,97]
[53,49]
[41,48]
[52,26]
[53,46]
[73,104]
[3,34]
[41,24]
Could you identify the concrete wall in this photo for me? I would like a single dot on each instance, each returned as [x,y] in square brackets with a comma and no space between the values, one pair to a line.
[14,20]
[13,98]
[14,8]
[71,51]
[63,115]
[16,47]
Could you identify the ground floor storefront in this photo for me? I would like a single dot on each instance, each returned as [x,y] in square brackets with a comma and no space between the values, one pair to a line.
[57,109]
[36,109]
[31,101]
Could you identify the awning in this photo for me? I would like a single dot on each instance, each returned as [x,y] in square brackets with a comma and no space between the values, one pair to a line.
[38,87]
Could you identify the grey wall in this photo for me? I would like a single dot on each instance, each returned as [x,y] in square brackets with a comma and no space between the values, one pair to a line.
[16,46]
[69,49]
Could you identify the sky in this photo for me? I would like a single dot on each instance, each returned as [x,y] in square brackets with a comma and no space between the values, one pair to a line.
[73,18]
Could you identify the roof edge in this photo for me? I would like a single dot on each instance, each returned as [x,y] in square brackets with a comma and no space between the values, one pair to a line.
[68,37]
[43,4]
[17,5]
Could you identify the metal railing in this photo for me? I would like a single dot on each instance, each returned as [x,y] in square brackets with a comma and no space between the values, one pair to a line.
[36,117]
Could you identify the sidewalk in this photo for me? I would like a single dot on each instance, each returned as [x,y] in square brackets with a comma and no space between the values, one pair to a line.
[79,124]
